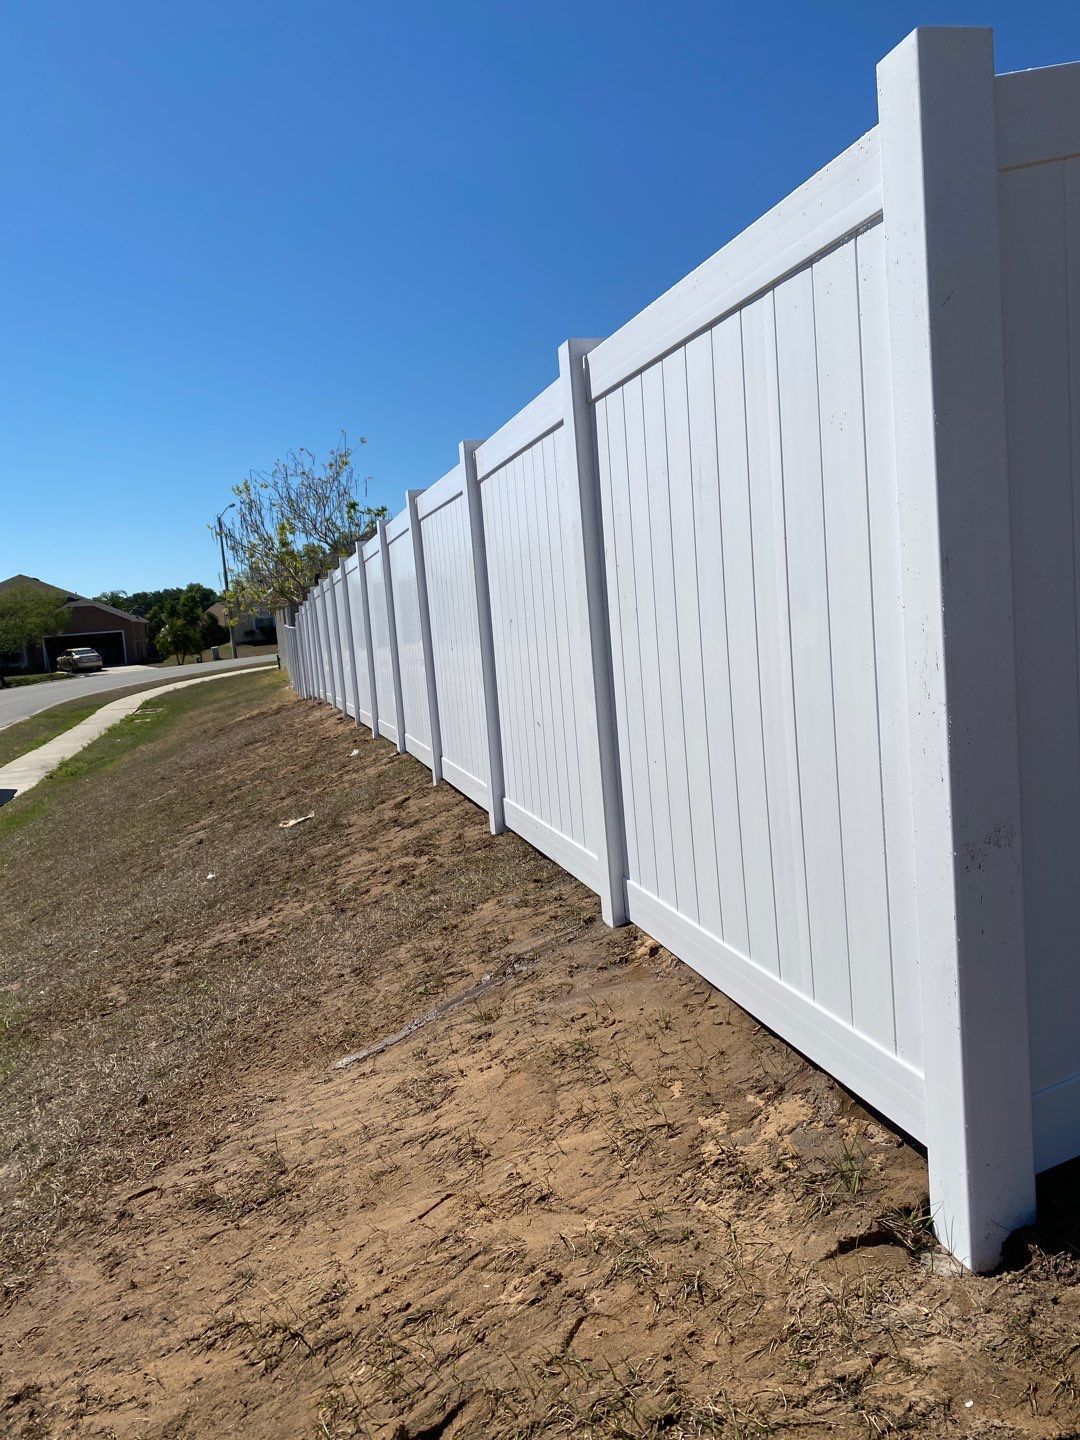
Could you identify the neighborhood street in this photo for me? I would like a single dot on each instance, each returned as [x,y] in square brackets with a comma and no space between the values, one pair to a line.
[22,701]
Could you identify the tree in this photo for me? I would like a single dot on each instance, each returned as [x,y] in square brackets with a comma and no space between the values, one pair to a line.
[292,523]
[143,602]
[28,613]
[179,637]
[157,607]
[116,598]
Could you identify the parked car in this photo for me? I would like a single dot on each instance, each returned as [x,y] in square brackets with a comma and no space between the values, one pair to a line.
[81,658]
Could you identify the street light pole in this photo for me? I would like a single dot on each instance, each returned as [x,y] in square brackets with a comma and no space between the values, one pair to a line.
[225,578]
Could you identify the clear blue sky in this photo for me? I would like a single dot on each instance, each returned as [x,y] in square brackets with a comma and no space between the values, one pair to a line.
[240,226]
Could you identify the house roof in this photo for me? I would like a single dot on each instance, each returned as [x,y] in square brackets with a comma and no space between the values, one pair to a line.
[70,596]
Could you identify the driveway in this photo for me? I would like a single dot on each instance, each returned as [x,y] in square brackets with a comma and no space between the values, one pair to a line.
[22,701]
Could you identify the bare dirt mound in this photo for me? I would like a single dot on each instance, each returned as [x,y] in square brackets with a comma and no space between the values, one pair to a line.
[594,1199]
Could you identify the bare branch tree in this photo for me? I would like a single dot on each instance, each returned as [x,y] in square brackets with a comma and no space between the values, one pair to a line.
[293,522]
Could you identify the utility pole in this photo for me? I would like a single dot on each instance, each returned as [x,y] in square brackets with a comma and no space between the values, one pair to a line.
[225,577]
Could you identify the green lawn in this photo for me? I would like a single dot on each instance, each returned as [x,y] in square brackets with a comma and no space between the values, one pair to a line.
[226,653]
[16,680]
[28,734]
[134,730]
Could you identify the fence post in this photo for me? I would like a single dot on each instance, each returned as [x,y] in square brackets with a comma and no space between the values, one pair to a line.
[425,635]
[939,180]
[391,626]
[473,504]
[369,641]
[603,786]
[333,607]
[350,640]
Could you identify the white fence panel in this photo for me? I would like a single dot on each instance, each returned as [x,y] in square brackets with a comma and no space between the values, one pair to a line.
[532,534]
[380,637]
[326,644]
[310,677]
[455,634]
[342,674]
[362,679]
[410,640]
[742,548]
[287,649]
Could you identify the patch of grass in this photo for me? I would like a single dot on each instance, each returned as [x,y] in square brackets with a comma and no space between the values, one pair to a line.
[129,734]
[226,653]
[849,1168]
[26,735]
[624,1400]
[17,681]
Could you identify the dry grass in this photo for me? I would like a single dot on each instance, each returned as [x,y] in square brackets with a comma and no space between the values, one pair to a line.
[594,1200]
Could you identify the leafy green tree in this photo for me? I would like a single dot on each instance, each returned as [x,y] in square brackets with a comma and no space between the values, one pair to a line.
[293,522]
[179,637]
[117,598]
[28,613]
[157,607]
[212,631]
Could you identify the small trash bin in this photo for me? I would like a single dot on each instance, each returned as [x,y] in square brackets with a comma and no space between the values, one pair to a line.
[215,652]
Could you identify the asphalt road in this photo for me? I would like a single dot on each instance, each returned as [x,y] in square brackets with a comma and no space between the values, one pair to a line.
[22,701]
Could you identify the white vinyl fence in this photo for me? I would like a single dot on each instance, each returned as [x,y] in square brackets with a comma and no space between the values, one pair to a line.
[761,620]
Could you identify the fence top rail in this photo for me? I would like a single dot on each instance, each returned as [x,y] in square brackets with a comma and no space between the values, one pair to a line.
[448,488]
[538,418]
[350,565]
[398,526]
[1038,115]
[834,203]
[371,548]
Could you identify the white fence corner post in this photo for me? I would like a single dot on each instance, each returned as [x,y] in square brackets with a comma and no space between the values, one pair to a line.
[496,783]
[369,641]
[939,179]
[391,626]
[425,634]
[602,778]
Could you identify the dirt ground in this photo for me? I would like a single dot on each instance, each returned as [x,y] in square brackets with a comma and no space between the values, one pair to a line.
[596,1199]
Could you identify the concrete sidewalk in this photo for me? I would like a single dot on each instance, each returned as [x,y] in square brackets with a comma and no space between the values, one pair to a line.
[21,701]
[25,772]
